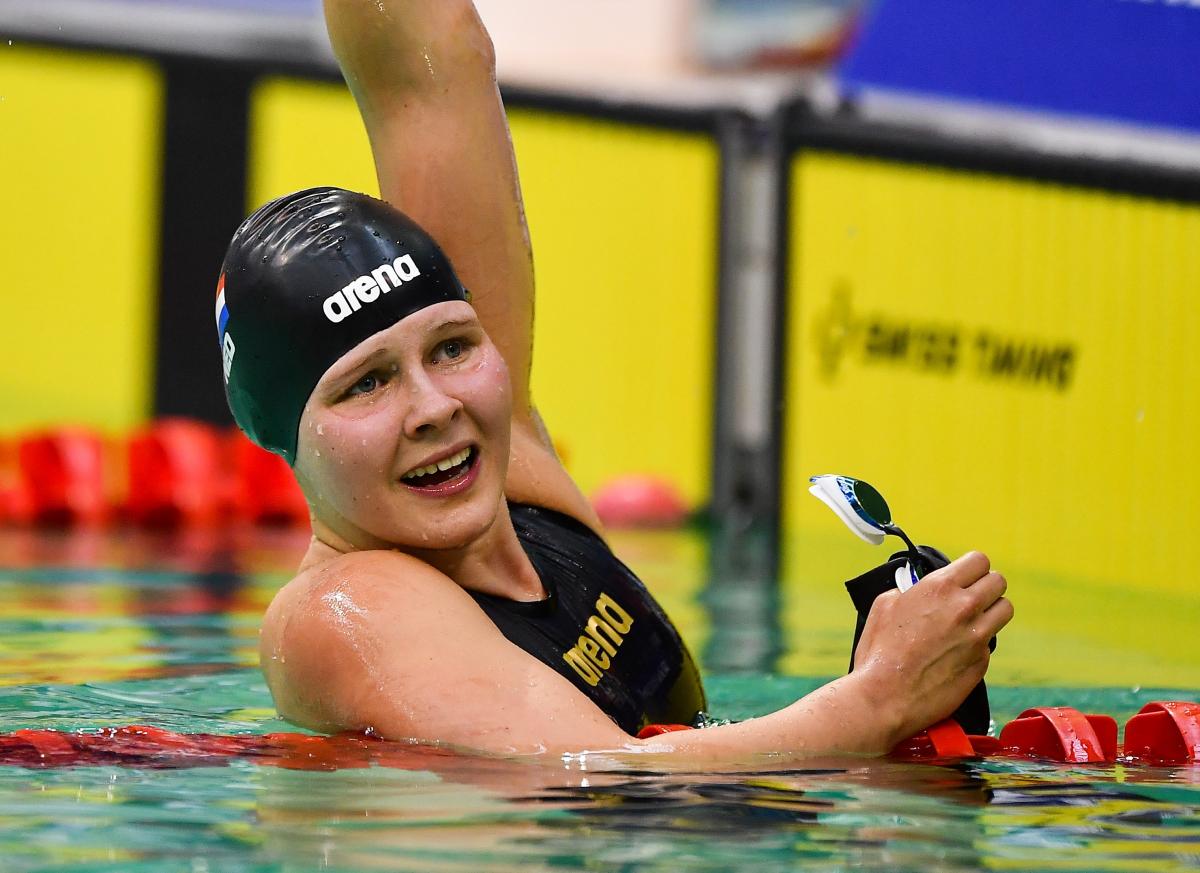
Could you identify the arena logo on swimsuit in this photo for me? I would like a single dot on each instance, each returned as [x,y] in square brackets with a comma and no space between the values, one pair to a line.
[368,288]
[603,634]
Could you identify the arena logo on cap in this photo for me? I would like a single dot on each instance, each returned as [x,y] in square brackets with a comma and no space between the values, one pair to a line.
[368,288]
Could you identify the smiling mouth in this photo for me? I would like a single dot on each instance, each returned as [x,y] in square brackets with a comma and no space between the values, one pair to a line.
[444,472]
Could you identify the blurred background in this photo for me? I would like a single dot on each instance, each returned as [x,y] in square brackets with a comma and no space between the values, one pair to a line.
[952,249]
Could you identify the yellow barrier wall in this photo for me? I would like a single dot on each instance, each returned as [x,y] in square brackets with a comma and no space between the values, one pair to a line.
[80,142]
[624,227]
[1014,365]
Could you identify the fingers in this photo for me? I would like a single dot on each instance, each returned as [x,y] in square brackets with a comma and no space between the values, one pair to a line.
[964,572]
[987,591]
[992,619]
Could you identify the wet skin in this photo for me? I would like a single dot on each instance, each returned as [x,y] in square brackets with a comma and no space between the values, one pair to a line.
[424,389]
[378,630]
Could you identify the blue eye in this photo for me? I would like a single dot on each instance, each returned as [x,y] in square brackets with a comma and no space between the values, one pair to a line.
[365,385]
[451,350]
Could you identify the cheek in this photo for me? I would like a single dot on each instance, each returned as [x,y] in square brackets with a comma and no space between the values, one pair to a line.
[492,391]
[335,453]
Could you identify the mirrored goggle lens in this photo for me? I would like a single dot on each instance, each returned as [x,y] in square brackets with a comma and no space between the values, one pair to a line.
[872,502]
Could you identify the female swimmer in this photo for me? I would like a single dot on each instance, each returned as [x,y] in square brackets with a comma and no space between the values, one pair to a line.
[458,588]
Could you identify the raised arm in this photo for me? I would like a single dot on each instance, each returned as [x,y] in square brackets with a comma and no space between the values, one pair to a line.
[423,73]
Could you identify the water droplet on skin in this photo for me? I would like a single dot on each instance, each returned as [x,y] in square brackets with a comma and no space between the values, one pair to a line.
[320,430]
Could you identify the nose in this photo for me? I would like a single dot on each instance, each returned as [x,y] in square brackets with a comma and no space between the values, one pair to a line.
[430,409]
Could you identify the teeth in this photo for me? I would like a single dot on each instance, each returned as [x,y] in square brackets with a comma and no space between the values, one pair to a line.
[452,461]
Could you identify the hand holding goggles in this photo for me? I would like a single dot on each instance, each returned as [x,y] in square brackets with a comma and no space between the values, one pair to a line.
[863,509]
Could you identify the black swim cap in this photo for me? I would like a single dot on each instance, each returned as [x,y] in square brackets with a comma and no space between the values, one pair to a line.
[307,278]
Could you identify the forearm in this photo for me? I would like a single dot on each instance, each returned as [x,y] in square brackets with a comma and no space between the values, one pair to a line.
[403,48]
[849,715]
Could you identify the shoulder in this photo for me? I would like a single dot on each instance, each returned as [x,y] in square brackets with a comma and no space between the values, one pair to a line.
[369,578]
[328,632]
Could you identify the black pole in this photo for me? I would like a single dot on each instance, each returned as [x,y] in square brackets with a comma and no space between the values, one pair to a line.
[203,202]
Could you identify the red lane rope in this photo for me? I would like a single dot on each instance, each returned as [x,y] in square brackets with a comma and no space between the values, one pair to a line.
[145,746]
[1163,733]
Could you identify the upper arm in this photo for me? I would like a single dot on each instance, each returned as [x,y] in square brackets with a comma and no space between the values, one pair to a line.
[424,77]
[386,642]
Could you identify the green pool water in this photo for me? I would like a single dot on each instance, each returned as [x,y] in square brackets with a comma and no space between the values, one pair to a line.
[106,630]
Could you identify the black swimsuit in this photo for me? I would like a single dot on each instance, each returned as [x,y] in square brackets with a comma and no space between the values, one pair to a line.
[598,626]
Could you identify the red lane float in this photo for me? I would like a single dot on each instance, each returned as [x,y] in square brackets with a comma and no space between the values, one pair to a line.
[944,740]
[1165,733]
[265,490]
[177,475]
[145,746]
[15,505]
[657,730]
[1060,733]
[61,474]
[172,473]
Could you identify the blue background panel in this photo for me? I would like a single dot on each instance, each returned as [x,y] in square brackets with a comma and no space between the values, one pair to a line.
[1129,60]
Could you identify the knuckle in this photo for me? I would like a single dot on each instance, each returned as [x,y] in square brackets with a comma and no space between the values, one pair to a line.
[886,601]
[963,607]
[938,580]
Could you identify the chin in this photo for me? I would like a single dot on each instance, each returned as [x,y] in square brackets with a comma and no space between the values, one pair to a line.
[453,529]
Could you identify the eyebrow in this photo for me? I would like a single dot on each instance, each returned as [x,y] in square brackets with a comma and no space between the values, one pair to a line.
[458,322]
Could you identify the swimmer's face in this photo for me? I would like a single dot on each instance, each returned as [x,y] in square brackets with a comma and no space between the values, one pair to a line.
[430,390]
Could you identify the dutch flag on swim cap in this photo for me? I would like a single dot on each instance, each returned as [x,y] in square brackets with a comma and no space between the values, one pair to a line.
[222,312]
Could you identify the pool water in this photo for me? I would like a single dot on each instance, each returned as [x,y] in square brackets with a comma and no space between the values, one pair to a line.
[105,629]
